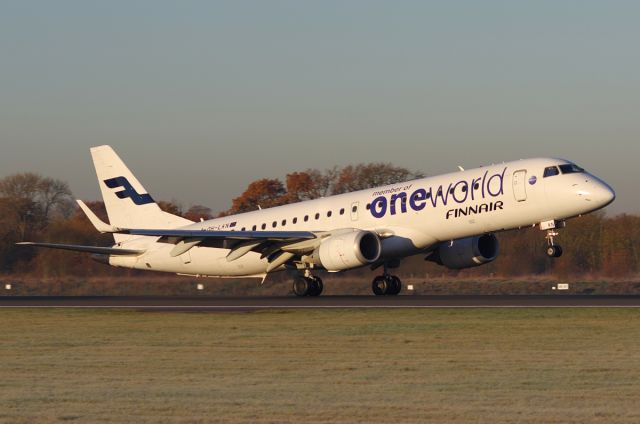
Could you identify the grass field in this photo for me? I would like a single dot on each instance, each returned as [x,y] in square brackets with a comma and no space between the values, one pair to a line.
[337,366]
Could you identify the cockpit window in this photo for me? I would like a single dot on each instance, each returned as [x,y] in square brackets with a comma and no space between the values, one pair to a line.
[550,171]
[570,168]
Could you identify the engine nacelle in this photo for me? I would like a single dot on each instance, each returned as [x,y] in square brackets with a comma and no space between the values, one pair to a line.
[348,250]
[467,252]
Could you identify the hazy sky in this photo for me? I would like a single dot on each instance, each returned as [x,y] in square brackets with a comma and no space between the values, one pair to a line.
[201,97]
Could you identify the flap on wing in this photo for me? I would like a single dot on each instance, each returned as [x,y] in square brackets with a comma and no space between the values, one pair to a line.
[87,249]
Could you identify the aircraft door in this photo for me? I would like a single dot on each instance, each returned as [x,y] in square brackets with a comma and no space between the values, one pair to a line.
[519,187]
[354,211]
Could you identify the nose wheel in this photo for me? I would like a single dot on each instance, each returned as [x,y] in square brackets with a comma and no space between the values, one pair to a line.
[553,250]
[386,285]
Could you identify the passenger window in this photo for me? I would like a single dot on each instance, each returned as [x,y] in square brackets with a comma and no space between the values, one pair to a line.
[306,218]
[550,171]
[284,222]
[295,220]
[274,224]
[264,226]
[342,211]
[329,214]
[354,209]
[317,216]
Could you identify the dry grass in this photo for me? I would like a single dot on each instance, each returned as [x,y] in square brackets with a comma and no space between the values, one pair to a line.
[496,365]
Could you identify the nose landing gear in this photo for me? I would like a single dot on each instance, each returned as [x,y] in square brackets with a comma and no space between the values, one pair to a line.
[553,250]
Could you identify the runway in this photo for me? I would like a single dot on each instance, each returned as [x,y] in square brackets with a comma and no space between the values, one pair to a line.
[248,304]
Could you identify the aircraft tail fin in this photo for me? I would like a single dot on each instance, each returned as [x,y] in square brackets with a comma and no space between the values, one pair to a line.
[127,202]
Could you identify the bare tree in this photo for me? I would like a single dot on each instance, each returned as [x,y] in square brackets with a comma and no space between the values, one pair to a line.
[32,200]
[198,212]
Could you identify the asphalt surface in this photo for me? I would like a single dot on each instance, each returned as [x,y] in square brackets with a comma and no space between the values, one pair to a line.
[245,304]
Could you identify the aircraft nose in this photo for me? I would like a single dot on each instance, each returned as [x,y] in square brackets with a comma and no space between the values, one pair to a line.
[605,194]
[597,192]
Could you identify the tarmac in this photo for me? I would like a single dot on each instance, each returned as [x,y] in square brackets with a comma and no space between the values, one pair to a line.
[248,304]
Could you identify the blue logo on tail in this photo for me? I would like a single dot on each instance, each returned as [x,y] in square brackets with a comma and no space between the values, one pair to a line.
[129,191]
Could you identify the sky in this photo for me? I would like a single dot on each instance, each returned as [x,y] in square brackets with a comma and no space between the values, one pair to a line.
[202,97]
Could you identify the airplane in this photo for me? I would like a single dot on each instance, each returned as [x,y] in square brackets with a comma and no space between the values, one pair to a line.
[451,219]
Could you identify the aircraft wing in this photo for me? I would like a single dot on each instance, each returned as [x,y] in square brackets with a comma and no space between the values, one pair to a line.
[87,249]
[277,246]
[224,235]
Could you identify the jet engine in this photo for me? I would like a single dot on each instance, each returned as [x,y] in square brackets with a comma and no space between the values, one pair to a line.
[348,250]
[467,252]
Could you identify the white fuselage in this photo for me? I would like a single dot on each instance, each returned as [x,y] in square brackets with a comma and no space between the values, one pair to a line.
[411,217]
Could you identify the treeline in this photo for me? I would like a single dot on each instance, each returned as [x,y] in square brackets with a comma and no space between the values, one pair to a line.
[313,184]
[37,208]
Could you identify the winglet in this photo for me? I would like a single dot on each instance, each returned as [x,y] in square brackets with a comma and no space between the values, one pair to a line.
[100,225]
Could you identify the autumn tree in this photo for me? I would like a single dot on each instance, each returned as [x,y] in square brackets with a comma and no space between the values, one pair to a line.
[309,184]
[264,193]
[363,176]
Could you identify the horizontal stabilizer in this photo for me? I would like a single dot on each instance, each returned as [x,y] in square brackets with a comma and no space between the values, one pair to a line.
[100,225]
[87,249]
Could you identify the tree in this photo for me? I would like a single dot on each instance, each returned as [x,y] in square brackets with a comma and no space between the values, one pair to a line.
[264,193]
[197,212]
[309,184]
[313,184]
[171,207]
[33,200]
[363,176]
[28,203]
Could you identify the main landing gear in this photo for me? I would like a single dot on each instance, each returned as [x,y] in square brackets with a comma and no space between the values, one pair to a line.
[386,284]
[553,250]
[308,285]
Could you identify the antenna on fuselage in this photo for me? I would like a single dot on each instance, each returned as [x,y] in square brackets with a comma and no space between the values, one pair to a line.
[460,168]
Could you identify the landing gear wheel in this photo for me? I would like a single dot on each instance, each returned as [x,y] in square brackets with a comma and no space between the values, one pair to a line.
[301,287]
[389,285]
[395,287]
[315,286]
[380,285]
[307,286]
[554,251]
